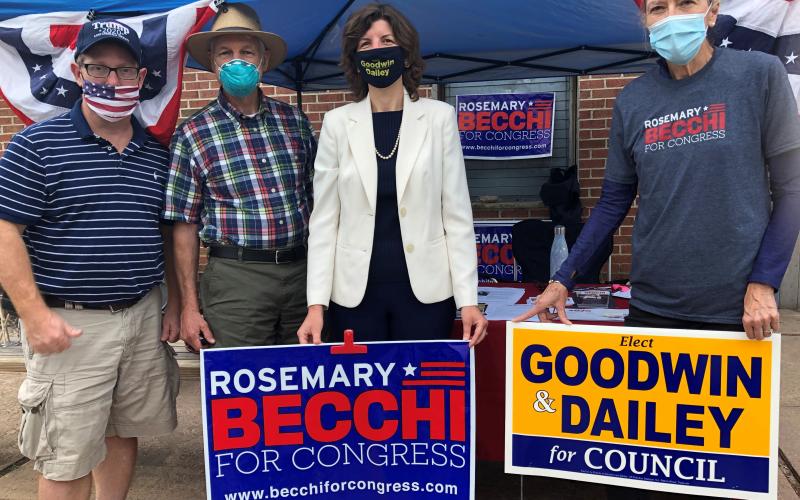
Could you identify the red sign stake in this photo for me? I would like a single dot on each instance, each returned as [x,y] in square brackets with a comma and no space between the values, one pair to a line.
[349,347]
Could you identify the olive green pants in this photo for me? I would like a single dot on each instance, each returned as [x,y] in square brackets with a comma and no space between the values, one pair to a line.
[253,303]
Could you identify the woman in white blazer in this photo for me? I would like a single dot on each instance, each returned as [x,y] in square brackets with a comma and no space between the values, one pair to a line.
[391,246]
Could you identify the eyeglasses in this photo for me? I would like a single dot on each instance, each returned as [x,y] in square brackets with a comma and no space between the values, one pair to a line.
[101,71]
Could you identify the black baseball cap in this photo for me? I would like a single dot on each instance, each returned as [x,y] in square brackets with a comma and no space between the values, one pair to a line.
[95,32]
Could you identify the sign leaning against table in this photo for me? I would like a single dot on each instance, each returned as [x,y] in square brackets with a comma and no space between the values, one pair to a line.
[493,244]
[304,422]
[672,410]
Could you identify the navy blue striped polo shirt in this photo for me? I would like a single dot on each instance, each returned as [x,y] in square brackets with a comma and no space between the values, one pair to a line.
[92,214]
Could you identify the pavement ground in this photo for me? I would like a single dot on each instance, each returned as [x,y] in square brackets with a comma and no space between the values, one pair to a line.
[171,467]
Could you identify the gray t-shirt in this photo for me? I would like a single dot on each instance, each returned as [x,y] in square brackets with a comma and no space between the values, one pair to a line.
[698,148]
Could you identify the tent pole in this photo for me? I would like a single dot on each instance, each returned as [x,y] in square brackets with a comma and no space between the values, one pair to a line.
[298,83]
[311,51]
[440,91]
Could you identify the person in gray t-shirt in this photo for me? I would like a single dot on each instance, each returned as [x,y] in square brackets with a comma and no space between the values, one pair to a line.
[711,142]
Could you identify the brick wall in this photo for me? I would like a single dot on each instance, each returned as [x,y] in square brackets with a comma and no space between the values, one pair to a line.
[596,96]
[9,125]
[521,210]
[595,102]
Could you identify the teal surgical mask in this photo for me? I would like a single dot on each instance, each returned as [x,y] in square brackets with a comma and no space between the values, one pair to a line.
[239,78]
[679,38]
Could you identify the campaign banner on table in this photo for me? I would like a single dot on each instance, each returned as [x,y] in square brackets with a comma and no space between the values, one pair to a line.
[494,247]
[681,411]
[300,422]
[506,126]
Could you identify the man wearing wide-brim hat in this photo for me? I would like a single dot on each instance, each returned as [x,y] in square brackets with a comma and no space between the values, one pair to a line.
[241,179]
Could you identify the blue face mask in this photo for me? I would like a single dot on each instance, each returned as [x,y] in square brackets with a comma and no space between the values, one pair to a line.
[239,78]
[679,38]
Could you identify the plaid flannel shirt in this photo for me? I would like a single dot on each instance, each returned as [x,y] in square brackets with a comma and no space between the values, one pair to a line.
[246,180]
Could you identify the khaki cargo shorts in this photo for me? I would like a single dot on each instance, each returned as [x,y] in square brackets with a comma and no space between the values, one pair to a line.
[116,379]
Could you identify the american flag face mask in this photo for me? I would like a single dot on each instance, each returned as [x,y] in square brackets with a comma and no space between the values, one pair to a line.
[112,103]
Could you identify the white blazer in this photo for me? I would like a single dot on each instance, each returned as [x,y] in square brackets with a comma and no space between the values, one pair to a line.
[432,200]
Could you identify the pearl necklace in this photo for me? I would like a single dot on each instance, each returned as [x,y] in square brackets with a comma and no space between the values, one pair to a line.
[394,149]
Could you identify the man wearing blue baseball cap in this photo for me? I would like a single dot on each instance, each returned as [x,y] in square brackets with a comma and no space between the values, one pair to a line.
[85,190]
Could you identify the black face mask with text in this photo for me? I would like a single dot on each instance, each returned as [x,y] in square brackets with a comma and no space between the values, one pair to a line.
[380,67]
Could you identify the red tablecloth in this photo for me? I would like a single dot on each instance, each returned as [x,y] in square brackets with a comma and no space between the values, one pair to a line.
[490,380]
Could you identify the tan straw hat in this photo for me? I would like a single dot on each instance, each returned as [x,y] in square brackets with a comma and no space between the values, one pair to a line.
[235,19]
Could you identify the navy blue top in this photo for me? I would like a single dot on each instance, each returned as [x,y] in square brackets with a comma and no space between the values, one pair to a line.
[92,214]
[388,262]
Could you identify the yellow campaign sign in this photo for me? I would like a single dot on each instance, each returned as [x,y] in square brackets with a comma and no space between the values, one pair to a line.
[672,410]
